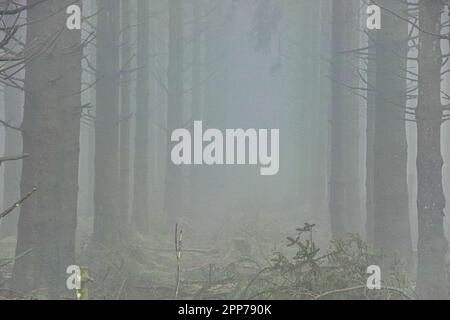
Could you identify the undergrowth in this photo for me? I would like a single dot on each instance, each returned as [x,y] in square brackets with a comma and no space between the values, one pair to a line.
[338,273]
[144,268]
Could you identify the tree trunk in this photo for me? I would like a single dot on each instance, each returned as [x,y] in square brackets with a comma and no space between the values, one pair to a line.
[196,61]
[13,100]
[214,180]
[318,120]
[13,146]
[370,139]
[345,209]
[51,125]
[141,158]
[108,220]
[196,102]
[173,190]
[160,114]
[432,245]
[125,110]
[392,232]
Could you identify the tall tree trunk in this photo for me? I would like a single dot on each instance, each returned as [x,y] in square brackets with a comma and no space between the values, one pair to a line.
[306,117]
[173,190]
[214,180]
[370,139]
[432,245]
[108,220]
[141,190]
[91,158]
[91,96]
[196,60]
[13,100]
[293,147]
[305,106]
[392,231]
[51,125]
[325,95]
[317,154]
[345,209]
[13,146]
[125,110]
[196,102]
[160,113]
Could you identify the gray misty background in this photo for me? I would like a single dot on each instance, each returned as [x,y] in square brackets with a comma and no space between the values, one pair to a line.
[86,177]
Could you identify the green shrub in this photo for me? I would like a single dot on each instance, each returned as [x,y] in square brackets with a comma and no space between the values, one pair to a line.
[338,273]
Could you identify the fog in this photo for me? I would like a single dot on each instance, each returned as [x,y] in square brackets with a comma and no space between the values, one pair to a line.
[318,154]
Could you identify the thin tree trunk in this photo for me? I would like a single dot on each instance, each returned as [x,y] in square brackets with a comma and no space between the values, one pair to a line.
[214,180]
[319,118]
[125,110]
[196,102]
[432,245]
[108,220]
[325,95]
[13,99]
[173,190]
[344,169]
[196,61]
[13,146]
[141,190]
[91,135]
[160,118]
[370,138]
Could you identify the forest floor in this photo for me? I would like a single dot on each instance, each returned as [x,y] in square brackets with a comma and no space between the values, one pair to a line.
[221,263]
[216,263]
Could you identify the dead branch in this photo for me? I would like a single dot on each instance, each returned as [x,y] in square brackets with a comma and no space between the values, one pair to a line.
[13,158]
[17,204]
[7,125]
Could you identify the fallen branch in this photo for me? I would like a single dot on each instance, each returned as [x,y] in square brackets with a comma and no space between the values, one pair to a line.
[17,204]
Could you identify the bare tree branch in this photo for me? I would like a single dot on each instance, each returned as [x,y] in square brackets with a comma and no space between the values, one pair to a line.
[17,204]
[12,158]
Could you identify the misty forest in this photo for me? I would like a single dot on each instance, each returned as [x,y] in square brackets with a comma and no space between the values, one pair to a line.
[353,202]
